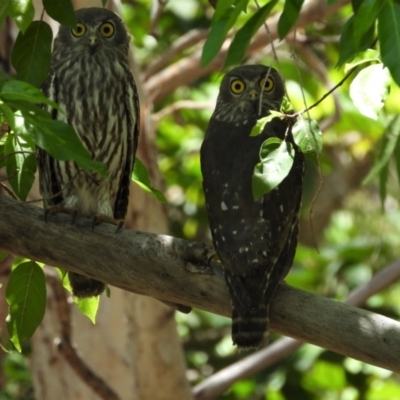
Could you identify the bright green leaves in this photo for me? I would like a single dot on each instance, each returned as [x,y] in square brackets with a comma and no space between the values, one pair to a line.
[19,90]
[369,89]
[20,165]
[22,12]
[277,158]
[61,10]
[390,147]
[224,17]
[371,86]
[260,124]
[389,37]
[243,36]
[26,296]
[358,33]
[308,137]
[31,53]
[141,177]
[289,16]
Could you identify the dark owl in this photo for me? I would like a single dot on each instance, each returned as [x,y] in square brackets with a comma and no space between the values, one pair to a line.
[91,81]
[255,240]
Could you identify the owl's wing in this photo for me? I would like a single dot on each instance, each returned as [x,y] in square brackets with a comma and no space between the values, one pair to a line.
[132,112]
[50,187]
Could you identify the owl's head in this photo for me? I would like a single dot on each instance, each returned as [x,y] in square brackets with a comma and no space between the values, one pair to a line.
[97,29]
[250,89]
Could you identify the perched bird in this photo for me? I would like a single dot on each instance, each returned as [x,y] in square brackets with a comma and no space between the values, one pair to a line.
[91,81]
[255,240]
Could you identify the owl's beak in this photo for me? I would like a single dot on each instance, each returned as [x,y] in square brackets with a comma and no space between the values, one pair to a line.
[92,43]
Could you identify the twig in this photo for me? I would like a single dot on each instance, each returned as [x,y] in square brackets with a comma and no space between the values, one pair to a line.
[156,12]
[188,104]
[64,345]
[10,192]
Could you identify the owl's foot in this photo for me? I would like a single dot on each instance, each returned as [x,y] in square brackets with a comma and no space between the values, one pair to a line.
[83,287]
[99,218]
[58,208]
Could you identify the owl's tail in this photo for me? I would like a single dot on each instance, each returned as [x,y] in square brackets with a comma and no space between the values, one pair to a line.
[83,286]
[250,329]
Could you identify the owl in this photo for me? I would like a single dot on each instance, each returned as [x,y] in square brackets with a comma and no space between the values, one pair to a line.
[91,81]
[254,239]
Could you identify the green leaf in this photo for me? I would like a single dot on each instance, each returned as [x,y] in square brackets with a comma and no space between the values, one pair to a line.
[373,79]
[362,58]
[389,37]
[88,306]
[243,36]
[5,6]
[364,19]
[26,296]
[19,90]
[223,20]
[258,128]
[31,54]
[62,11]
[104,2]
[348,47]
[277,159]
[60,140]
[141,177]
[388,145]
[289,16]
[21,167]
[8,115]
[22,12]
[308,137]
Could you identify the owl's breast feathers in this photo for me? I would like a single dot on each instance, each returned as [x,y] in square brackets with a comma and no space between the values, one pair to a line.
[248,235]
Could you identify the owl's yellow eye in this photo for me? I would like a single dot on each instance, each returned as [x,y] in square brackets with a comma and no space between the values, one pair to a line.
[107,29]
[267,84]
[79,30]
[237,86]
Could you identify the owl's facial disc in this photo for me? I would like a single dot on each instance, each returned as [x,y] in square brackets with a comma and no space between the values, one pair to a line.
[93,35]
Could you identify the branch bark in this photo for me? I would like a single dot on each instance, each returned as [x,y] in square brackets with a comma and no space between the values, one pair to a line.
[177,271]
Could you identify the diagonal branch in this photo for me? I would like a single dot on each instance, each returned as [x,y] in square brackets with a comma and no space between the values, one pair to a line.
[177,271]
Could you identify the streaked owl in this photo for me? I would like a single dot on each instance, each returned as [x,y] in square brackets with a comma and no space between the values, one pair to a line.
[255,240]
[91,81]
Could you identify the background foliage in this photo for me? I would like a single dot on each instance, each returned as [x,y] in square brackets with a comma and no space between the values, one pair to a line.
[359,163]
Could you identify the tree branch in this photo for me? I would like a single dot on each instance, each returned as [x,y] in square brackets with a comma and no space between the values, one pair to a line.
[177,271]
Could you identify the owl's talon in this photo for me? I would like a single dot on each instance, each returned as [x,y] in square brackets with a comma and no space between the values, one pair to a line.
[99,218]
[58,208]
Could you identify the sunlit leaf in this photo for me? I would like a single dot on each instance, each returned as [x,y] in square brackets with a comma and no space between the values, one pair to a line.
[58,138]
[8,115]
[369,89]
[243,36]
[277,159]
[364,19]
[362,58]
[308,137]
[223,20]
[31,54]
[26,297]
[88,306]
[62,11]
[289,16]
[141,177]
[22,12]
[389,37]
[348,47]
[21,167]
[388,145]
[19,90]
[260,124]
